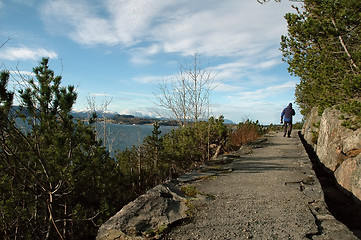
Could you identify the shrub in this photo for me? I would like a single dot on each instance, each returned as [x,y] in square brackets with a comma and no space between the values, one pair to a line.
[245,132]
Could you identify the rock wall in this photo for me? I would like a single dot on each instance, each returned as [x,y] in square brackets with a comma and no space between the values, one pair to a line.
[310,127]
[337,147]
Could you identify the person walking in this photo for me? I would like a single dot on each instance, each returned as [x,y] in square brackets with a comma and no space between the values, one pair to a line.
[286,119]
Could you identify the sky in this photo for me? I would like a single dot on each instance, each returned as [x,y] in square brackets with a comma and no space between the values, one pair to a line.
[119,51]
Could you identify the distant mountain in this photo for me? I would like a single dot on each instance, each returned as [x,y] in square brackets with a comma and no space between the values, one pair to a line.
[117,117]
[227,121]
[85,114]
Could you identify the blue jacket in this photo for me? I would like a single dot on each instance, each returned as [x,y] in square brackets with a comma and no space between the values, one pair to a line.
[287,113]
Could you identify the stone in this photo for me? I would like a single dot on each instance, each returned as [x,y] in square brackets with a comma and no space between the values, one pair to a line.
[158,208]
[338,148]
[309,130]
[345,173]
[332,135]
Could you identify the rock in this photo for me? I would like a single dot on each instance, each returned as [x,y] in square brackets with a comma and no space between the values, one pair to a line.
[154,211]
[328,226]
[244,150]
[348,175]
[195,175]
[309,130]
[332,135]
[338,148]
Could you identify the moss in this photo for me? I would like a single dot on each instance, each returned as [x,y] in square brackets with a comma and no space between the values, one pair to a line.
[190,191]
[191,208]
[314,137]
[352,108]
[317,124]
[156,233]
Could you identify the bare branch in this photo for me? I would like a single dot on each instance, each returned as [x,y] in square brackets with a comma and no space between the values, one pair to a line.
[352,62]
[5,42]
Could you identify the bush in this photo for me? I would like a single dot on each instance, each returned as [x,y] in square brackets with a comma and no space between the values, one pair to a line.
[298,125]
[245,132]
[161,158]
[57,181]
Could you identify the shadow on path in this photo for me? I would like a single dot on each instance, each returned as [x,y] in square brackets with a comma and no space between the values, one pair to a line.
[341,203]
[248,165]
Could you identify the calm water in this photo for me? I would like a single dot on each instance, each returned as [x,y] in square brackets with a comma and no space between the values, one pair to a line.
[120,137]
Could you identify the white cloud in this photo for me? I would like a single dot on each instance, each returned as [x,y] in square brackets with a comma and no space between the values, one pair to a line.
[22,73]
[25,53]
[244,35]
[257,104]
[85,26]
[222,87]
[263,93]
[94,31]
[133,20]
[141,55]
[218,28]
[148,79]
[268,64]
[138,95]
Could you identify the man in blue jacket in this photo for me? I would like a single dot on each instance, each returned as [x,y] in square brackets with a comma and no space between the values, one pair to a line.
[286,117]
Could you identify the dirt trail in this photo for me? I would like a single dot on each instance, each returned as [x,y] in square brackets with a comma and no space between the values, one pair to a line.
[270,194]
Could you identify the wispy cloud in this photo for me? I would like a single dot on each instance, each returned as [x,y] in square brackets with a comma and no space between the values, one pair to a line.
[25,53]
[86,27]
[22,73]
[222,87]
[241,37]
[263,93]
[214,29]
[148,79]
[258,103]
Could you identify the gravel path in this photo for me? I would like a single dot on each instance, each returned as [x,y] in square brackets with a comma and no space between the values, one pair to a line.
[264,197]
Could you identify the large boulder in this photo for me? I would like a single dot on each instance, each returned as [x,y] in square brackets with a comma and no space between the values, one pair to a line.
[337,147]
[150,213]
[348,175]
[332,135]
[310,127]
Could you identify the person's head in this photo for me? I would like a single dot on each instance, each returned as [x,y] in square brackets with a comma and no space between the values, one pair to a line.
[290,105]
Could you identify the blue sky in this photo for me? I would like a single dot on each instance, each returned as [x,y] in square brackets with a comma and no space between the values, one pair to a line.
[120,50]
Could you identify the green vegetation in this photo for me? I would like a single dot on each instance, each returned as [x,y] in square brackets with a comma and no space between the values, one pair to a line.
[58,182]
[298,125]
[190,191]
[323,49]
[157,233]
[161,158]
[352,116]
[245,132]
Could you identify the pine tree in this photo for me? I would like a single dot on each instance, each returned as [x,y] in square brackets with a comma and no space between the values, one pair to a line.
[58,182]
[323,49]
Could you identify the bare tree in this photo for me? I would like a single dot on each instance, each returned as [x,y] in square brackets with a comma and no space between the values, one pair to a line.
[5,42]
[103,109]
[187,94]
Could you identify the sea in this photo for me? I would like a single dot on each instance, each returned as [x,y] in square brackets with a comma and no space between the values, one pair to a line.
[119,137]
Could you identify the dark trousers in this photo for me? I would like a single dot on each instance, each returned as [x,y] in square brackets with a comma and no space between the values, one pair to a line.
[287,128]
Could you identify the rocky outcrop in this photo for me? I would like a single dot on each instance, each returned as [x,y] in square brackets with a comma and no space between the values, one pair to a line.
[148,215]
[348,175]
[338,148]
[310,127]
